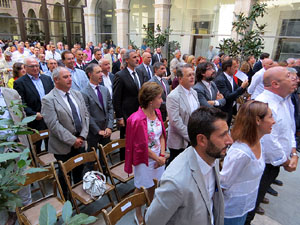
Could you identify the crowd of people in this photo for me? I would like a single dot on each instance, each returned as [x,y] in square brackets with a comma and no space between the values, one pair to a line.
[250,121]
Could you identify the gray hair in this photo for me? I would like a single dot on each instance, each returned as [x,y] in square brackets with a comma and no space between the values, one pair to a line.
[7,53]
[56,71]
[180,67]
[290,60]
[176,52]
[127,56]
[28,59]
[215,57]
[101,61]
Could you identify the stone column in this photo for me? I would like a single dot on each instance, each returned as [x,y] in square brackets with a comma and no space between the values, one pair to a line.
[90,21]
[122,14]
[162,13]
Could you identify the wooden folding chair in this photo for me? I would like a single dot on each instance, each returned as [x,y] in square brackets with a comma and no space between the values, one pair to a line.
[128,204]
[44,158]
[76,190]
[115,171]
[29,214]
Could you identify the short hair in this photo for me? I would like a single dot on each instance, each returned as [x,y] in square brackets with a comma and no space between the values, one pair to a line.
[56,71]
[185,56]
[176,51]
[201,69]
[249,57]
[16,68]
[180,67]
[63,55]
[297,68]
[97,50]
[7,53]
[77,50]
[290,60]
[157,65]
[201,122]
[164,59]
[264,55]
[245,126]
[90,68]
[148,92]
[127,56]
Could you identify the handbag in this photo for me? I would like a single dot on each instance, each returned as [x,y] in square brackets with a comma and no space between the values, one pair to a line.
[94,184]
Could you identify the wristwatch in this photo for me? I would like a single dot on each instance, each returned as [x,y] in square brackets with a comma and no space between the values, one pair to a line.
[294,154]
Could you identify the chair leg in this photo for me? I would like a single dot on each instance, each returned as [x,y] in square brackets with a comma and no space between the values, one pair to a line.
[42,188]
[110,199]
[75,204]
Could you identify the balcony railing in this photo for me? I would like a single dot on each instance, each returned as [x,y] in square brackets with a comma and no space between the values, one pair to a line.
[5,3]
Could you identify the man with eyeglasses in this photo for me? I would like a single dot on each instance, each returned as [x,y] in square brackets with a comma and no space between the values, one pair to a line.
[32,87]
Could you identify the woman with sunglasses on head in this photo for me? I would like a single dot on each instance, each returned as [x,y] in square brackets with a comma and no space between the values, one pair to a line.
[244,163]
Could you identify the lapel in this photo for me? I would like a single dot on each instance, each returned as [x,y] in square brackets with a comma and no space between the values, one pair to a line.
[185,100]
[207,93]
[164,94]
[45,84]
[130,79]
[79,103]
[218,200]
[198,177]
[93,95]
[31,85]
[228,83]
[75,78]
[62,102]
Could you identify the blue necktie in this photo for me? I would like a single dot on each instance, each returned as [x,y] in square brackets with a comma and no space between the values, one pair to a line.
[76,119]
[149,74]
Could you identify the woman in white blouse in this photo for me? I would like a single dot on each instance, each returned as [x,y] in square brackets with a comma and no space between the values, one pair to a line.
[244,164]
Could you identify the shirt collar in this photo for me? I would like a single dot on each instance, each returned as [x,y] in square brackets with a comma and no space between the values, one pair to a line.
[228,76]
[72,71]
[274,96]
[186,91]
[204,167]
[207,84]
[32,77]
[130,71]
[93,86]
[62,93]
[158,78]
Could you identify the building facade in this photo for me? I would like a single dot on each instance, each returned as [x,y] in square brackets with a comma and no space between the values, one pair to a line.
[195,24]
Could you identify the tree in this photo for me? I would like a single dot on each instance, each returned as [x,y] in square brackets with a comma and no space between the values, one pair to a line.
[249,34]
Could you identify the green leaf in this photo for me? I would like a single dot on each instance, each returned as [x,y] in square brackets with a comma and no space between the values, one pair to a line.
[47,215]
[21,163]
[28,119]
[67,212]
[8,156]
[34,170]
[82,218]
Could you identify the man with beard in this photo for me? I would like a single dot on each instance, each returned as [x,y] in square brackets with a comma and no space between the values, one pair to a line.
[208,93]
[189,189]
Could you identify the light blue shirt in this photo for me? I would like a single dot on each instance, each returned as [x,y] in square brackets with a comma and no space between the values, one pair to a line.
[79,79]
[44,67]
[38,85]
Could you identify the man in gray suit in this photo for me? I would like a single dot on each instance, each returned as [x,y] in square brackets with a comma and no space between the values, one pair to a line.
[99,104]
[189,192]
[181,102]
[67,120]
[160,71]
[145,68]
[208,93]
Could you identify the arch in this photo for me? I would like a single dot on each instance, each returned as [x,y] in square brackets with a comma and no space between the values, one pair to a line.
[8,26]
[33,30]
[58,28]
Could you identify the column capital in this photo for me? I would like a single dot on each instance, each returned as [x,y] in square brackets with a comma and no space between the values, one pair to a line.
[122,10]
[162,5]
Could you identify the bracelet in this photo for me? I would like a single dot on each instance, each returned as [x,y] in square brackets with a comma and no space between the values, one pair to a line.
[162,155]
[294,154]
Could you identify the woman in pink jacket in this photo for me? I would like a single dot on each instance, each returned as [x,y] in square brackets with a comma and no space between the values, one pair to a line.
[146,142]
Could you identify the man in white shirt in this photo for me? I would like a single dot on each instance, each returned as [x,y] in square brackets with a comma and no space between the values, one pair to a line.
[181,102]
[257,87]
[108,77]
[52,54]
[279,146]
[20,54]
[189,190]
[174,62]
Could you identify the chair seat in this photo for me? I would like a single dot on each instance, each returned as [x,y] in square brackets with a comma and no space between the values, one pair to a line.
[47,159]
[84,197]
[119,173]
[32,214]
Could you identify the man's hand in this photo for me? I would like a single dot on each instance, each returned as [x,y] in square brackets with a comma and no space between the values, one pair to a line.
[160,162]
[78,143]
[101,132]
[108,132]
[219,96]
[38,116]
[245,84]
[121,122]
[293,163]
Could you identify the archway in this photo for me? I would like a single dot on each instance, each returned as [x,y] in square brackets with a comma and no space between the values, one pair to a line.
[58,27]
[32,26]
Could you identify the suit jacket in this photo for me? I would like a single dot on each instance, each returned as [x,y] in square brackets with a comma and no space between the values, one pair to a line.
[60,122]
[142,70]
[94,61]
[31,97]
[179,112]
[100,118]
[156,59]
[182,197]
[225,88]
[204,94]
[257,66]
[10,95]
[116,66]
[125,94]
[83,69]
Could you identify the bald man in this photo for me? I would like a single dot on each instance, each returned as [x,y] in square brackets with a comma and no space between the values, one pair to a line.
[256,87]
[279,146]
[145,68]
[108,77]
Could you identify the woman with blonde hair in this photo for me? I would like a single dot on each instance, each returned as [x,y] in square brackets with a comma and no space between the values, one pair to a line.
[244,163]
[146,142]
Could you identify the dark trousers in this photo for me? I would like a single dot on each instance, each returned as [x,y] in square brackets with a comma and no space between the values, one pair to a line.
[269,175]
[122,150]
[173,154]
[76,172]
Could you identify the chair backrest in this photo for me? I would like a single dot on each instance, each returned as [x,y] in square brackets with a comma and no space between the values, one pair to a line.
[111,146]
[128,204]
[43,134]
[38,176]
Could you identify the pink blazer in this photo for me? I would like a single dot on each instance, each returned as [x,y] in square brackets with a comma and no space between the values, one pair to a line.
[136,151]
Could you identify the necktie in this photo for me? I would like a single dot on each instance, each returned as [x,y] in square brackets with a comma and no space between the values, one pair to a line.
[161,80]
[149,74]
[136,81]
[76,119]
[100,97]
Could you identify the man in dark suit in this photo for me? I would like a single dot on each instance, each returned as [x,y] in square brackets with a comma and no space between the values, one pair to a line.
[228,88]
[97,56]
[79,60]
[258,65]
[157,57]
[32,87]
[108,77]
[99,104]
[208,93]
[160,71]
[145,69]
[126,87]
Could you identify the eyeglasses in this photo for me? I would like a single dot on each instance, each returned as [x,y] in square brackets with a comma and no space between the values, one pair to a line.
[32,66]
